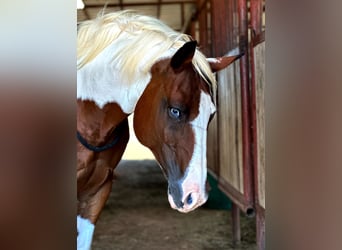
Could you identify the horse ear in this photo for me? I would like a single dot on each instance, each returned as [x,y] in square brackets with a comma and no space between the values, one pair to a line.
[183,55]
[219,63]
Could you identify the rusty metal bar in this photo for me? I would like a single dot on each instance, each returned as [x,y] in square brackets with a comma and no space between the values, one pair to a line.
[254,116]
[245,104]
[236,224]
[236,197]
[256,10]
[214,52]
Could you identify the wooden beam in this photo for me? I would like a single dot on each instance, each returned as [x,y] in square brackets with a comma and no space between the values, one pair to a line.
[96,5]
[86,13]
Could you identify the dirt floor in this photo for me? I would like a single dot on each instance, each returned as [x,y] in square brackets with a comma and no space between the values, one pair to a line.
[137,216]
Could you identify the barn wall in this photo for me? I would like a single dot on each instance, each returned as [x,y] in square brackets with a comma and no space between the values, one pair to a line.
[221,38]
[236,139]
[229,126]
[221,26]
[234,170]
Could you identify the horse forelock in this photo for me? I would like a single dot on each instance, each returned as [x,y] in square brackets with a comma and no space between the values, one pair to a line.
[138,42]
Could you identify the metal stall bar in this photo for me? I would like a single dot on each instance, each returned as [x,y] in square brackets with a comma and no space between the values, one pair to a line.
[256,11]
[245,107]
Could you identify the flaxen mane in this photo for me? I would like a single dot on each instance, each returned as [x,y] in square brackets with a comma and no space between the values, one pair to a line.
[137,39]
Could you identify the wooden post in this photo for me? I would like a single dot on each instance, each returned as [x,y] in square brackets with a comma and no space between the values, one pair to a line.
[260,228]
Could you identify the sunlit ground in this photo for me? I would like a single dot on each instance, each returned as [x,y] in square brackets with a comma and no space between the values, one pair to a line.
[135,150]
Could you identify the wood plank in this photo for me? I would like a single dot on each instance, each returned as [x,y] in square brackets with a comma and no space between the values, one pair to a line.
[259,62]
[212,147]
[230,126]
[131,4]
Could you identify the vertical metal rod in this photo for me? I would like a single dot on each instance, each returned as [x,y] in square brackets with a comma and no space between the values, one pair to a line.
[256,25]
[254,118]
[236,224]
[245,103]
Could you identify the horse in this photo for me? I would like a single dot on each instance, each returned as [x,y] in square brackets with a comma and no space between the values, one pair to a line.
[130,63]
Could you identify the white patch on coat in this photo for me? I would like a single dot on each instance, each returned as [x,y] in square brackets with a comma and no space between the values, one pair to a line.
[102,81]
[115,67]
[196,174]
[85,231]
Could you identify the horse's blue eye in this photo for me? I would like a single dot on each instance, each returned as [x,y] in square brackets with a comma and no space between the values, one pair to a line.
[175,113]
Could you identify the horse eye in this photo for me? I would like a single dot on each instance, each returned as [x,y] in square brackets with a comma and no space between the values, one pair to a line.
[174,113]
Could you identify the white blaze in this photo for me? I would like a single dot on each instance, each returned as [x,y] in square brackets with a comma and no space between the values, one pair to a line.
[195,181]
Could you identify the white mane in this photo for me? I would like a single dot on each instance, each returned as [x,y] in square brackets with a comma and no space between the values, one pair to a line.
[132,43]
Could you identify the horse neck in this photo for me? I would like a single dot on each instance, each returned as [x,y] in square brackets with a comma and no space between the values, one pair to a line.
[96,124]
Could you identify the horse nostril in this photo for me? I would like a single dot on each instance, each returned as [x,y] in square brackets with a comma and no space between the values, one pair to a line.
[189,199]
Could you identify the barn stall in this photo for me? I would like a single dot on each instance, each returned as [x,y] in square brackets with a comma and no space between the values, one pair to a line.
[236,156]
[236,135]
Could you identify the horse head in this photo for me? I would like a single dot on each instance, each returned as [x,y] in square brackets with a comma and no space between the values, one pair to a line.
[171,118]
